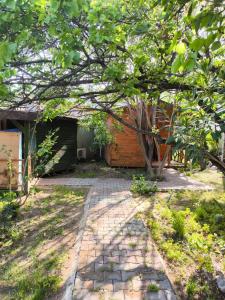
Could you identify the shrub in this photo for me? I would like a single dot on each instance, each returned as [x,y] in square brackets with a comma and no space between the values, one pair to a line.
[178,224]
[141,187]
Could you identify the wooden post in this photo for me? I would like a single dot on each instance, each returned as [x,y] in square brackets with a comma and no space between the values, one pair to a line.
[26,156]
[26,133]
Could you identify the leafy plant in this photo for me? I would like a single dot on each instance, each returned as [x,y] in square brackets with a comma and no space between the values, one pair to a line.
[191,288]
[9,209]
[179,224]
[142,187]
[153,288]
[182,229]
[44,154]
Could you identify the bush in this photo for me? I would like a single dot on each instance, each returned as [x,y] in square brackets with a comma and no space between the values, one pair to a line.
[141,187]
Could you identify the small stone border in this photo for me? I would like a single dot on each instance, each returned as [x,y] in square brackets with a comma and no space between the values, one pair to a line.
[69,285]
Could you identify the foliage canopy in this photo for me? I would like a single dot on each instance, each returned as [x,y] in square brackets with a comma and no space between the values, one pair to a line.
[95,55]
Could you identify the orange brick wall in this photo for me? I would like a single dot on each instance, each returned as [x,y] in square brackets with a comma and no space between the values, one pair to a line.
[125,150]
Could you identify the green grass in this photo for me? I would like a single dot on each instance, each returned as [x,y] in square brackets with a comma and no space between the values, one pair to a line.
[32,251]
[189,228]
[212,177]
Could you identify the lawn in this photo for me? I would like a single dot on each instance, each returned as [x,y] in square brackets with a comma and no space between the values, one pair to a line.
[189,230]
[210,176]
[36,243]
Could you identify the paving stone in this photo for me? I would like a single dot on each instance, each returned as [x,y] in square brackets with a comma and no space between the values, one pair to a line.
[109,259]
[116,254]
[160,295]
[151,275]
[104,285]
[84,294]
[126,275]
[170,295]
[91,276]
[133,295]
[165,284]
[119,295]
[88,284]
[119,285]
[115,275]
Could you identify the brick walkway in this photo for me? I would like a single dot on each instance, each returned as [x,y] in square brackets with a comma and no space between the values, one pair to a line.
[117,259]
[174,180]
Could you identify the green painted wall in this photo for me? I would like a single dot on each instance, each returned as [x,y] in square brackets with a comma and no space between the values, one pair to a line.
[64,156]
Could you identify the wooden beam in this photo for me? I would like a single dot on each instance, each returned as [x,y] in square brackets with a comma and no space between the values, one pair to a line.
[19,126]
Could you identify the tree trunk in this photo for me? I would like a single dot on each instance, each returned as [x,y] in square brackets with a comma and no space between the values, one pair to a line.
[215,161]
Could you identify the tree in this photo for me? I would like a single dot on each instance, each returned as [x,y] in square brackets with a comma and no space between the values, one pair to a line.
[95,55]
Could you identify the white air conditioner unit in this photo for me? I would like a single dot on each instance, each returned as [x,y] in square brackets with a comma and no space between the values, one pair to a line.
[81,153]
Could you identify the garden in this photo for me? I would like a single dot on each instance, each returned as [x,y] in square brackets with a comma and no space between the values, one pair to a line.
[125,99]
[188,228]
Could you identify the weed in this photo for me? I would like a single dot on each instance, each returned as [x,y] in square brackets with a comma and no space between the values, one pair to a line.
[141,187]
[133,245]
[199,241]
[152,288]
[205,263]
[178,224]
[173,251]
[95,290]
[191,288]
[190,232]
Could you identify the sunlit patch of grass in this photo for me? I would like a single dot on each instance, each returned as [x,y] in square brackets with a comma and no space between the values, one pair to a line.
[41,282]
[212,177]
[30,256]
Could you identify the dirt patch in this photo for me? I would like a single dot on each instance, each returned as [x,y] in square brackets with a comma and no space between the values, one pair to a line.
[102,170]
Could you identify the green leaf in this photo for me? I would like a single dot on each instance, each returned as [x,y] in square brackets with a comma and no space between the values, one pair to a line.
[206,20]
[180,48]
[209,40]
[177,63]
[74,8]
[190,63]
[197,44]
[216,45]
[6,51]
[142,28]
[170,140]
